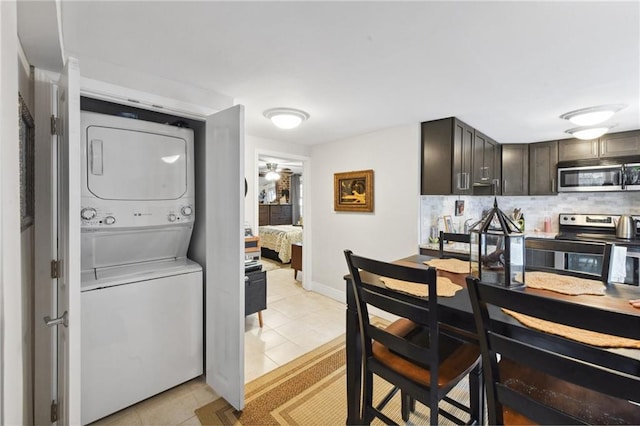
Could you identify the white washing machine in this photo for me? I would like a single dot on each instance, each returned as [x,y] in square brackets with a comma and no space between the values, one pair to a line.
[142,299]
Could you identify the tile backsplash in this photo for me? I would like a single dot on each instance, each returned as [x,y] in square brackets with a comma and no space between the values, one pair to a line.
[534,208]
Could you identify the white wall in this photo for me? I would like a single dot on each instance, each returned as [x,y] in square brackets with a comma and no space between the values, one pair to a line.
[391,231]
[11,300]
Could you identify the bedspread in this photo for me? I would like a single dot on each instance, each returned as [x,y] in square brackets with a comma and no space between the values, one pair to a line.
[279,238]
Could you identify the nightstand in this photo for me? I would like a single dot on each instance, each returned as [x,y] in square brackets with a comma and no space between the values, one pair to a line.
[296,258]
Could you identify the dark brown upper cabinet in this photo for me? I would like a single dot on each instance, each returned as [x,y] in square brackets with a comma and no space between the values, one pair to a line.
[543,162]
[614,145]
[446,157]
[622,144]
[515,169]
[486,169]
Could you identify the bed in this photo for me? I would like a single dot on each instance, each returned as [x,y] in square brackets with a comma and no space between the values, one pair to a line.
[276,240]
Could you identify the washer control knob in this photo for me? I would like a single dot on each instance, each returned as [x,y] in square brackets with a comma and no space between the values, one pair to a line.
[88,213]
[187,210]
[172,217]
[109,220]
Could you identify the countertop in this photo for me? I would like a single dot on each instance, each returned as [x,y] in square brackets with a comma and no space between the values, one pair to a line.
[464,248]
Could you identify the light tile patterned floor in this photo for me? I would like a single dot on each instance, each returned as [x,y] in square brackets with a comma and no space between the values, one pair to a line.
[295,322]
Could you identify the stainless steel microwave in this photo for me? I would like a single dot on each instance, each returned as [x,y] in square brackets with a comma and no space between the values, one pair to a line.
[612,177]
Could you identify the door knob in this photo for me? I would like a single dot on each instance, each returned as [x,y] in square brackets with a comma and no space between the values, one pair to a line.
[64,320]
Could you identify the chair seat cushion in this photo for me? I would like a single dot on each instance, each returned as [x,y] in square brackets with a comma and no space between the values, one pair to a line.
[456,357]
[591,406]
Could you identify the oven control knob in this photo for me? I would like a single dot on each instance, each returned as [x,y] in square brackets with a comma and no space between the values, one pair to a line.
[187,210]
[109,220]
[172,217]
[88,213]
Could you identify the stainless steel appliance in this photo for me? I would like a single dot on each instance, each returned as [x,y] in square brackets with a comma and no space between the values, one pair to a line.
[599,228]
[626,227]
[601,177]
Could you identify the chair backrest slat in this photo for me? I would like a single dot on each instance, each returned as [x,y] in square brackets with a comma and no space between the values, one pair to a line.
[446,237]
[564,362]
[602,250]
[574,370]
[394,305]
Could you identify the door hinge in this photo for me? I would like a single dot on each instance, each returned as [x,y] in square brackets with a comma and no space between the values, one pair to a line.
[55,269]
[54,411]
[56,126]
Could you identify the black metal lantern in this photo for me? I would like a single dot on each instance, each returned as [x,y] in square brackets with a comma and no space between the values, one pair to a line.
[497,249]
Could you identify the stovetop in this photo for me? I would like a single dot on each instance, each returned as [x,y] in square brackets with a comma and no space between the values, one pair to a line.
[590,227]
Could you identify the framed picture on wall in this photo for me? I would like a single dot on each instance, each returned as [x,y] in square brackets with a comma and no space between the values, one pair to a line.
[459,207]
[448,224]
[27,165]
[353,191]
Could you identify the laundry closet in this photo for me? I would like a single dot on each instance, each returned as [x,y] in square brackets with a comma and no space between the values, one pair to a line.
[141,296]
[150,233]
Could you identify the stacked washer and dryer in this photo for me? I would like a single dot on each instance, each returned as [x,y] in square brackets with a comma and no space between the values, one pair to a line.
[142,299]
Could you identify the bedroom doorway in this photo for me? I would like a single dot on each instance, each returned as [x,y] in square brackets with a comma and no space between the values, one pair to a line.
[281,211]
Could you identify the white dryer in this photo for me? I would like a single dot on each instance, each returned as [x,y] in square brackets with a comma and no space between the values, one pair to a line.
[142,299]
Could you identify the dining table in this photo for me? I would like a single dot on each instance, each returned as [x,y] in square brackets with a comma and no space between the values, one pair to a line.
[455,313]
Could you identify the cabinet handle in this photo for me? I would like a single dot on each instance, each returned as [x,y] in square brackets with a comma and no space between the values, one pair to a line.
[504,185]
[496,186]
[463,181]
[484,173]
[553,185]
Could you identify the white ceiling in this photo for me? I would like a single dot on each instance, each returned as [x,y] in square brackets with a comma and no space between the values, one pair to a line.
[508,69]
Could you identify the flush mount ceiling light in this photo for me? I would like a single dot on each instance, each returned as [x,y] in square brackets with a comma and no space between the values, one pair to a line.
[592,115]
[271,172]
[286,118]
[591,132]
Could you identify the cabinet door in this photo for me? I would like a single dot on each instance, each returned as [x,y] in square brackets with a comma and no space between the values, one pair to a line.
[462,158]
[621,144]
[480,170]
[577,149]
[543,168]
[438,164]
[515,166]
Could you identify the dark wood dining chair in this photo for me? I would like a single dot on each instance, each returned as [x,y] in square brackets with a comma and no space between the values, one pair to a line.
[547,379]
[414,353]
[447,237]
[549,246]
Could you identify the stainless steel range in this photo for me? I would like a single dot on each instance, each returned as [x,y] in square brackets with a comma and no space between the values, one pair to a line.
[600,228]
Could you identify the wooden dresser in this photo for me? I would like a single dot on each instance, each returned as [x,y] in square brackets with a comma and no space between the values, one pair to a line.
[275,214]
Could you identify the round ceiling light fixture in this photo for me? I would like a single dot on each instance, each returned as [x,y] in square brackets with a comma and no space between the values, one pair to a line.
[286,118]
[590,132]
[592,115]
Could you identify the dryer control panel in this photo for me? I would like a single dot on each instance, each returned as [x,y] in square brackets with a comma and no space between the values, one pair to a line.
[98,214]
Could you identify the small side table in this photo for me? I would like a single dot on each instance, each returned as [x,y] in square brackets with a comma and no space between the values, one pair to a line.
[296,258]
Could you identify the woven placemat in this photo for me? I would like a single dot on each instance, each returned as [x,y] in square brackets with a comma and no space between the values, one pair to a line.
[444,287]
[564,284]
[455,266]
[577,334]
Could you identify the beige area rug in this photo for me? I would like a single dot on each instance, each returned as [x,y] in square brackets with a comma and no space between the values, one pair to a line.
[309,391]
